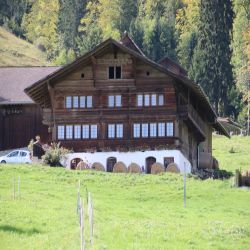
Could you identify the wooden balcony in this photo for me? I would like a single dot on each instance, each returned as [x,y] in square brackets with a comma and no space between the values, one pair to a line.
[193,119]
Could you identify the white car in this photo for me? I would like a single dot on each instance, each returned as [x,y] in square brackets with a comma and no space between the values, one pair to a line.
[16,156]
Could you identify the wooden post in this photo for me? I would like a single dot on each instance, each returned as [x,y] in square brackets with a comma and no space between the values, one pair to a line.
[184,185]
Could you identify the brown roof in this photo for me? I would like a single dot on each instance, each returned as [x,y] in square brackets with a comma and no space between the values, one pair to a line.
[13,81]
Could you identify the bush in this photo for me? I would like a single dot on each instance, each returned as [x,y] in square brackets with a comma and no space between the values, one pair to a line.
[55,154]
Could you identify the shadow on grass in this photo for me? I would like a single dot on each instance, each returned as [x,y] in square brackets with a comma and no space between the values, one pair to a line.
[7,228]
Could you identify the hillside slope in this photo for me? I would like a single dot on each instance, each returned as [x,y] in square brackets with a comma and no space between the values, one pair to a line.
[17,52]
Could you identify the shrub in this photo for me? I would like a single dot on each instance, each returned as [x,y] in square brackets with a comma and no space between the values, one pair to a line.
[54,154]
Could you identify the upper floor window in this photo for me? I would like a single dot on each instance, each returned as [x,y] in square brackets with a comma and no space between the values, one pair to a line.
[93,131]
[78,102]
[153,129]
[144,130]
[161,129]
[69,131]
[77,132]
[60,132]
[115,72]
[150,100]
[115,101]
[170,129]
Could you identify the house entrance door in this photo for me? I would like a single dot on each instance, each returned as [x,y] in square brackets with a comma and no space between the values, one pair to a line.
[149,162]
[111,161]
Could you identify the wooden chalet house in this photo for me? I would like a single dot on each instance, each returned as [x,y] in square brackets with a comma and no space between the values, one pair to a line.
[115,104]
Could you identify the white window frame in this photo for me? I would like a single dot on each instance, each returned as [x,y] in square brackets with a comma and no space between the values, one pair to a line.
[69,132]
[93,131]
[77,131]
[85,131]
[119,130]
[118,100]
[68,102]
[147,100]
[111,101]
[153,100]
[60,132]
[140,100]
[144,130]
[75,102]
[89,101]
[160,100]
[161,129]
[153,129]
[136,130]
[170,129]
[82,101]
[111,131]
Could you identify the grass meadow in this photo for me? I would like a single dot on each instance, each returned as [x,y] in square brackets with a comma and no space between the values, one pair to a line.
[131,211]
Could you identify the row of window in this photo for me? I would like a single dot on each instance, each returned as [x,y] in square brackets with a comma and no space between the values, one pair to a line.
[114,101]
[78,102]
[161,129]
[143,130]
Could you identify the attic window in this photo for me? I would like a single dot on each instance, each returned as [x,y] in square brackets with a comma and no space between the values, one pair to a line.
[82,75]
[115,72]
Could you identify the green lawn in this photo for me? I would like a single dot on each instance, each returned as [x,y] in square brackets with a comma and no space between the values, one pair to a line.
[130,211]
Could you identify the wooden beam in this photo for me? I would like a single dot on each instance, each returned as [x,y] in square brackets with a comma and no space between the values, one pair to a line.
[94,68]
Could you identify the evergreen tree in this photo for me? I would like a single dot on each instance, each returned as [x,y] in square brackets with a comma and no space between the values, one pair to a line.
[211,63]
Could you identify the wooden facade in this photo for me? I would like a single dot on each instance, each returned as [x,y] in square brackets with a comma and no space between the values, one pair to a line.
[151,97]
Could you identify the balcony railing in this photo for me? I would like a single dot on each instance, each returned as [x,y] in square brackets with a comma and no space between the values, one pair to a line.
[187,112]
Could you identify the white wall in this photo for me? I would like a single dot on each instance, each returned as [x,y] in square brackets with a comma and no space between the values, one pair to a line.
[135,157]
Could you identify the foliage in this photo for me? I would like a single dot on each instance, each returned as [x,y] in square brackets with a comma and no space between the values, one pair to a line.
[211,66]
[55,154]
[143,211]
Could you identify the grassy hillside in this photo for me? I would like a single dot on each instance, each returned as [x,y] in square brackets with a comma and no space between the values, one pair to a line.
[130,211]
[17,52]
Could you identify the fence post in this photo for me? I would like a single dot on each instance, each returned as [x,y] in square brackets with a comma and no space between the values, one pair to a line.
[90,214]
[78,198]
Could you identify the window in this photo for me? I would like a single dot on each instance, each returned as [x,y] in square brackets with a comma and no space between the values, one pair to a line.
[115,101]
[93,129]
[75,102]
[153,100]
[153,129]
[23,154]
[161,100]
[137,128]
[139,100]
[119,130]
[85,131]
[111,101]
[68,102]
[161,129]
[69,131]
[77,131]
[111,72]
[118,100]
[146,100]
[82,101]
[144,130]
[60,132]
[115,72]
[89,101]
[111,131]
[13,154]
[170,129]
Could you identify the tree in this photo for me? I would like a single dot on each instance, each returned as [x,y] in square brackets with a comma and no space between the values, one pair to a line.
[211,66]
[40,26]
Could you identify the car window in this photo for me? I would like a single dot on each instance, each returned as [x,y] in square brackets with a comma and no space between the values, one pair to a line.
[23,154]
[13,154]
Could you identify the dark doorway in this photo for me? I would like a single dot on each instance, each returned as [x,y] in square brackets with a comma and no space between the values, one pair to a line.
[168,160]
[111,161]
[74,162]
[149,162]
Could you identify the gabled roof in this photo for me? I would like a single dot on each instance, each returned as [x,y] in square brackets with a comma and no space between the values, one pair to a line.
[13,81]
[41,85]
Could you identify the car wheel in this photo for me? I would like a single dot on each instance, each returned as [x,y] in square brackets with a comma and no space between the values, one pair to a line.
[3,161]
